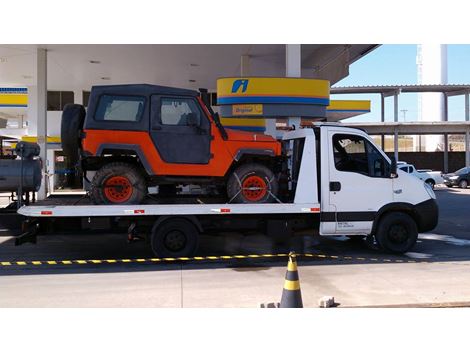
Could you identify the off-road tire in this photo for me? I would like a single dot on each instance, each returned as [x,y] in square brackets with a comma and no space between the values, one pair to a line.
[252,183]
[72,120]
[118,183]
[396,233]
[174,238]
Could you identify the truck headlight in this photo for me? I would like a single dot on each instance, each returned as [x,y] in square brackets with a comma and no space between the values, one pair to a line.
[430,191]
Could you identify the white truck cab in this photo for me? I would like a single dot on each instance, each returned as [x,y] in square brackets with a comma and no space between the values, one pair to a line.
[361,192]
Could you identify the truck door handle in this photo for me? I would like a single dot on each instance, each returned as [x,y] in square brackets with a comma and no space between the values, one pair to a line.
[335,186]
[157,127]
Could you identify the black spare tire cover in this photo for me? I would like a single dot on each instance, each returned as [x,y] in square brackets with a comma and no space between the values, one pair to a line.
[73,116]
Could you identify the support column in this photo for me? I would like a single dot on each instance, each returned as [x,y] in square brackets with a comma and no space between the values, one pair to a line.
[467,107]
[446,153]
[382,117]
[467,149]
[467,133]
[395,119]
[244,65]
[294,69]
[41,101]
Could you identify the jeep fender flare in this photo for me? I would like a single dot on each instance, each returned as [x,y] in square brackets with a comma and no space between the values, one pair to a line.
[255,152]
[127,147]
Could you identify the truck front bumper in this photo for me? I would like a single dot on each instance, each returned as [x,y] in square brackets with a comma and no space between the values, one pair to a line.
[427,215]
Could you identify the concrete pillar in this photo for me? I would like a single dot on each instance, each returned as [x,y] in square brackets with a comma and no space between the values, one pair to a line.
[467,134]
[244,65]
[41,114]
[395,143]
[78,96]
[467,148]
[294,69]
[446,153]
[395,119]
[382,117]
[467,107]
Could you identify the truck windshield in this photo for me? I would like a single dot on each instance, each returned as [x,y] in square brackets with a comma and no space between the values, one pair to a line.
[356,154]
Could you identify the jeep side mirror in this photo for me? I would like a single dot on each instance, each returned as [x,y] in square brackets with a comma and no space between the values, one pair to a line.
[393,168]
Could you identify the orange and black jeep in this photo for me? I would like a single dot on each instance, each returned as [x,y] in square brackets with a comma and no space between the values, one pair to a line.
[137,136]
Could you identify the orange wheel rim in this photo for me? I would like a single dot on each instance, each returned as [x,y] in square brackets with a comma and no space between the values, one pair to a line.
[118,189]
[254,188]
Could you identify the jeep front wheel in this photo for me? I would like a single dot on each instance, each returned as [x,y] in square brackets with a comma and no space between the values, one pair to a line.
[118,183]
[252,183]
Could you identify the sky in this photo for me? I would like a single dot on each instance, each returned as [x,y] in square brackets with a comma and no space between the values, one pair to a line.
[393,64]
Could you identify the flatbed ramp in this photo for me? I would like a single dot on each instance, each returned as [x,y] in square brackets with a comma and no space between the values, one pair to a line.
[165,209]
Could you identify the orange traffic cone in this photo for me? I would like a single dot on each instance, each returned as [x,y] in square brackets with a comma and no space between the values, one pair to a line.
[291,295]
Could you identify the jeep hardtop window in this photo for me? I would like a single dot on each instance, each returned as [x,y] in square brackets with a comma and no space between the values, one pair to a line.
[179,111]
[120,108]
[355,154]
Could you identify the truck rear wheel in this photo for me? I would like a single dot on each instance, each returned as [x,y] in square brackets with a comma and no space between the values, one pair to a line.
[118,183]
[174,238]
[397,232]
[252,183]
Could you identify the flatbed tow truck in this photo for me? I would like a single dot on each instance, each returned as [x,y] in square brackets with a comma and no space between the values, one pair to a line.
[340,183]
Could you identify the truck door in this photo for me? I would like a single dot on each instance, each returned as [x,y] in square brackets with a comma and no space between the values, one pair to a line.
[180,130]
[359,183]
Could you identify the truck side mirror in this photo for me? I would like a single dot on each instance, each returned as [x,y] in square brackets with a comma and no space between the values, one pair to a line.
[393,168]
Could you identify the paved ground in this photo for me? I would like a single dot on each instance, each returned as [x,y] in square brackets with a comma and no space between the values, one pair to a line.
[435,272]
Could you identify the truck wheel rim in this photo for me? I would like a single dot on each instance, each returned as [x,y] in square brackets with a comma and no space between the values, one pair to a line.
[117,189]
[175,240]
[254,188]
[398,234]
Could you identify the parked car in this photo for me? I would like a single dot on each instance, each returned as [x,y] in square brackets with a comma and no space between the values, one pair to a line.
[432,178]
[460,178]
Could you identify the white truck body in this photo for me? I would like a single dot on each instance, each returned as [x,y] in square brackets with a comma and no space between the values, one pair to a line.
[342,180]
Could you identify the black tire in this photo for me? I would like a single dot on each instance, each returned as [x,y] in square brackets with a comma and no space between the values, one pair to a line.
[396,233]
[463,184]
[431,182]
[73,117]
[252,183]
[118,183]
[174,238]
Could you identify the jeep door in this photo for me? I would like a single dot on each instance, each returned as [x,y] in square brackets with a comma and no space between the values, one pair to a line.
[180,130]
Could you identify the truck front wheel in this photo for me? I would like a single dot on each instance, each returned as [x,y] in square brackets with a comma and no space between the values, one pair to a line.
[252,183]
[396,232]
[118,183]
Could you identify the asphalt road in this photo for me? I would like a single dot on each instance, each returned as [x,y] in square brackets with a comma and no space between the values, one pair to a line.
[336,266]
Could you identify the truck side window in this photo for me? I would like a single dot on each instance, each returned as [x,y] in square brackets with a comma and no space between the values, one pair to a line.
[176,111]
[355,154]
[120,108]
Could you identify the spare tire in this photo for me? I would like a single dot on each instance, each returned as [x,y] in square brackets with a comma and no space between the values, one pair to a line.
[73,116]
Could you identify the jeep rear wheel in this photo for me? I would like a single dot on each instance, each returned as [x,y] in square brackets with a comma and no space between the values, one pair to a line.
[252,183]
[118,183]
